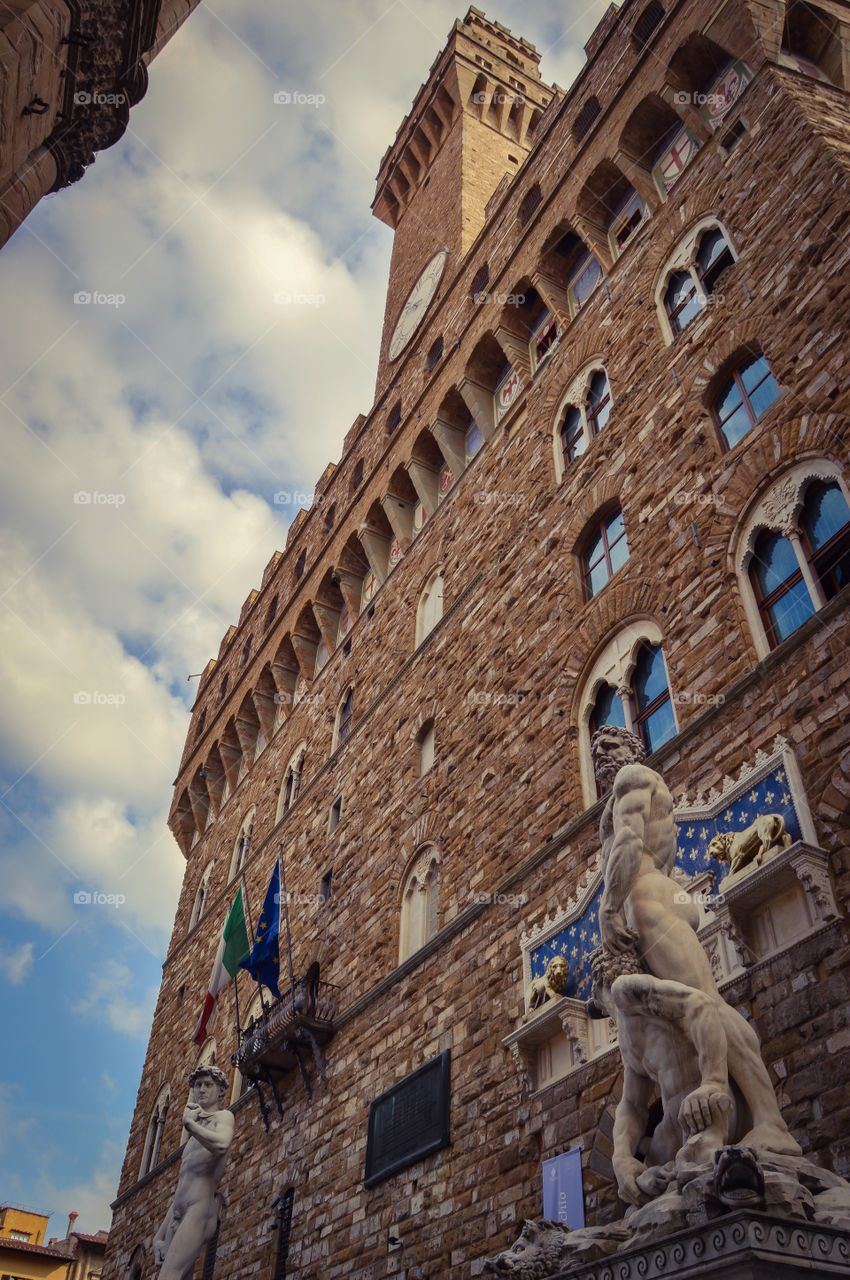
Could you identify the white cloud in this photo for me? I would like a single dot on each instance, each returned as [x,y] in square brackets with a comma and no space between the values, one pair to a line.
[112,998]
[16,963]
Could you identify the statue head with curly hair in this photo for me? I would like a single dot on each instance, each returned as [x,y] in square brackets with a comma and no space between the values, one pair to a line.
[606,966]
[209,1081]
[611,747]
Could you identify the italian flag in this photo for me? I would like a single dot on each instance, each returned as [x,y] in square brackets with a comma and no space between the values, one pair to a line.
[233,948]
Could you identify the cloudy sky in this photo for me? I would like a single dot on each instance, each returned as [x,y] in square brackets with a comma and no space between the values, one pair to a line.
[146,433]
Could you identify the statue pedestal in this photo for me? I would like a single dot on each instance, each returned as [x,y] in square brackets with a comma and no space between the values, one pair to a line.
[739,1246]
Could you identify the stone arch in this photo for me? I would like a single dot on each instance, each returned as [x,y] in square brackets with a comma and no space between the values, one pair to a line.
[606,491]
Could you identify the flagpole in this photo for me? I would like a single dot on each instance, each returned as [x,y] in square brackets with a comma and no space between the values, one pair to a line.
[286,918]
[253,936]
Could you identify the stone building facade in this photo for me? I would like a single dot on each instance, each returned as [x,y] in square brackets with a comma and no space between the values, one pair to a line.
[605,478]
[72,70]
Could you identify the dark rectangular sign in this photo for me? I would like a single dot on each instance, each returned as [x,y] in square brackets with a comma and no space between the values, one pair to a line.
[410,1120]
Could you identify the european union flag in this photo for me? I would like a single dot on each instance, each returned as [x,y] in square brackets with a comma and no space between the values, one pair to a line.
[263,963]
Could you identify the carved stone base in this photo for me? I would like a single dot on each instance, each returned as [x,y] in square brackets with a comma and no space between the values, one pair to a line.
[742,1246]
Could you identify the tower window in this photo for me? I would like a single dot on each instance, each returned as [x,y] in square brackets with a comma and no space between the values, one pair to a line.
[435,355]
[645,26]
[479,283]
[357,474]
[426,745]
[394,418]
[530,202]
[300,564]
[585,118]
[326,890]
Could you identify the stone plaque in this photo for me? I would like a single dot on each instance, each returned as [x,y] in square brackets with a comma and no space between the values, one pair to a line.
[409,1121]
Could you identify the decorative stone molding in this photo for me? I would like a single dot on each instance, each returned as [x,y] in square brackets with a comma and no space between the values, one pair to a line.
[780,507]
[107,75]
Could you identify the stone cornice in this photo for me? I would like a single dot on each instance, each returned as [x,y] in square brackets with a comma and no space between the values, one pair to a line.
[105,76]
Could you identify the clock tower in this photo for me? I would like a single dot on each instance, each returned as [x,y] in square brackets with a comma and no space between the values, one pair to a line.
[471,124]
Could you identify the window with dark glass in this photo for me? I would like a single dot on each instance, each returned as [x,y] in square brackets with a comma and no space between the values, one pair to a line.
[598,402]
[300,564]
[713,258]
[653,709]
[681,300]
[435,354]
[394,417]
[357,474]
[585,118]
[748,393]
[272,613]
[647,22]
[607,709]
[781,593]
[573,439]
[825,522]
[607,551]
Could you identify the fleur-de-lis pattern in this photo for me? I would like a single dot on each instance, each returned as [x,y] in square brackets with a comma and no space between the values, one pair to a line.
[771,794]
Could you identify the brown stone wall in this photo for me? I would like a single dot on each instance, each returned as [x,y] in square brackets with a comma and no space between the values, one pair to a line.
[500,676]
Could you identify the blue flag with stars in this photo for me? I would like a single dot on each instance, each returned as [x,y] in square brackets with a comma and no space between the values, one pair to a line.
[263,963]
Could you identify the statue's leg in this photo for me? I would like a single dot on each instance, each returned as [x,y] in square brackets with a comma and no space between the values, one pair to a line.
[196,1227]
[746,1066]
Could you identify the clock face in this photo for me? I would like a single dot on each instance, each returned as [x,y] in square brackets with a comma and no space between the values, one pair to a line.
[418,301]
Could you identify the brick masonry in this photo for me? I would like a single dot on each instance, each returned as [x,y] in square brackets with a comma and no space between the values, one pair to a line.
[500,676]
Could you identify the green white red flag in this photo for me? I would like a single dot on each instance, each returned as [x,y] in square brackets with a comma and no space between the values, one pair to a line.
[233,948]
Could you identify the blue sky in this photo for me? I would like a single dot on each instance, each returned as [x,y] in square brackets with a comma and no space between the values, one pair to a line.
[146,435]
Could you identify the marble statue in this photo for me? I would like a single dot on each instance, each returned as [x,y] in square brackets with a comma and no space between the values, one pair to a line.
[757,843]
[644,910]
[671,1041]
[193,1213]
[721,1144]
[550,986]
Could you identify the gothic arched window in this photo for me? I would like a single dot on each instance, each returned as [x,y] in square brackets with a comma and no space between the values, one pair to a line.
[419,902]
[793,555]
[153,1135]
[200,904]
[586,416]
[692,274]
[430,608]
[290,788]
[243,844]
[344,716]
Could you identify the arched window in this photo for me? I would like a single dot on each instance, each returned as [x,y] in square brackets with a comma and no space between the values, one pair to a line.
[794,552]
[652,709]
[581,421]
[246,650]
[649,19]
[419,902]
[430,608]
[136,1269]
[202,719]
[704,257]
[153,1135]
[272,611]
[357,475]
[290,788]
[242,846]
[426,747]
[200,904]
[825,522]
[222,693]
[782,594]
[606,551]
[585,118]
[344,716]
[743,396]
[627,685]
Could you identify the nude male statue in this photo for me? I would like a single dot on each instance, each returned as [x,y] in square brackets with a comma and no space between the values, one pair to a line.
[671,1039]
[193,1213]
[644,908]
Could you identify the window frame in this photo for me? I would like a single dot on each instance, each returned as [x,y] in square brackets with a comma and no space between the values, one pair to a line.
[600,527]
[733,377]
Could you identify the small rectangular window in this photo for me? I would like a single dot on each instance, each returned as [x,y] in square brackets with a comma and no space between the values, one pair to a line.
[327,886]
[335,815]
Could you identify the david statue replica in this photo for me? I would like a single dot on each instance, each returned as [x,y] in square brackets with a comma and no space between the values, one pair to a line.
[193,1213]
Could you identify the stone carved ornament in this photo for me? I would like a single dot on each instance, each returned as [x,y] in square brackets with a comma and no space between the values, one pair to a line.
[780,507]
[105,77]
[721,1141]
